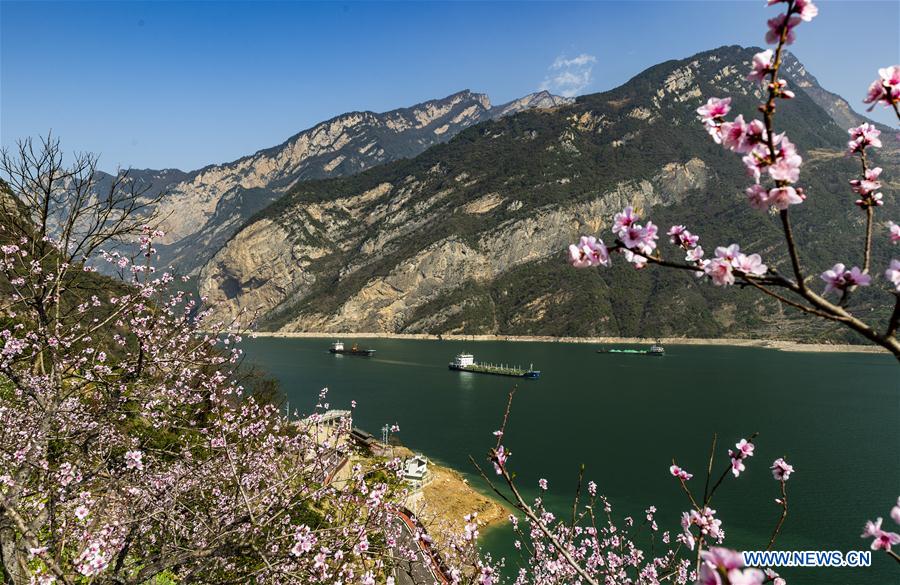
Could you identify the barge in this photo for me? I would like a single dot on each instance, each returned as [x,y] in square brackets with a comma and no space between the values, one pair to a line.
[655,350]
[338,348]
[465,362]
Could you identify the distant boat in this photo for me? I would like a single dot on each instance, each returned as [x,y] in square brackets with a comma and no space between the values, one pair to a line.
[465,362]
[655,350]
[338,347]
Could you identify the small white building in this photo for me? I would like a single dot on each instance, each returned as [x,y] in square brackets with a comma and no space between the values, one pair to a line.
[462,361]
[329,418]
[415,471]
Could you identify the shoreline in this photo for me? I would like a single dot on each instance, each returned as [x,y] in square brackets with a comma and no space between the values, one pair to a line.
[448,497]
[781,345]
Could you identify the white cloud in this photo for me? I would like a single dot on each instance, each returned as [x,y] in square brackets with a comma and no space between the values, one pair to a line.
[567,77]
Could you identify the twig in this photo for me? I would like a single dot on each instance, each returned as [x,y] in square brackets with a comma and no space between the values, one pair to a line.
[784,511]
[709,466]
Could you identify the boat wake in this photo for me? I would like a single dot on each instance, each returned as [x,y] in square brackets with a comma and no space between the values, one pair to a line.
[403,363]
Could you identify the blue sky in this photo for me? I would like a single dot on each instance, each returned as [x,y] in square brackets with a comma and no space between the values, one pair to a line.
[185,84]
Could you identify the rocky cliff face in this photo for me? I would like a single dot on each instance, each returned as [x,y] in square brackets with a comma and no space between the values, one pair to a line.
[203,208]
[469,236]
[264,266]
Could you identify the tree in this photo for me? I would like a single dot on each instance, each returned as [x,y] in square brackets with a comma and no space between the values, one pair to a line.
[129,449]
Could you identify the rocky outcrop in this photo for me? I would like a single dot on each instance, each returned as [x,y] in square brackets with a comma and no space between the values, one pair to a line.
[539,100]
[262,267]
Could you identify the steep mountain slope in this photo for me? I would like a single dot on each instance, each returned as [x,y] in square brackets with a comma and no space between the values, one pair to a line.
[204,207]
[836,106]
[469,236]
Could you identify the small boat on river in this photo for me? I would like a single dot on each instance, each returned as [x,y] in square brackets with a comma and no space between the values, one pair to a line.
[338,348]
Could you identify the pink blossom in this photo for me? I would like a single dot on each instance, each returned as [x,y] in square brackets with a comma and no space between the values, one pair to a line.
[745,447]
[834,278]
[648,238]
[680,236]
[868,183]
[486,577]
[134,460]
[632,235]
[862,136]
[81,512]
[623,220]
[686,536]
[774,578]
[806,10]
[501,457]
[636,259]
[714,109]
[756,132]
[758,196]
[542,483]
[890,75]
[895,232]
[694,254]
[746,577]
[882,540]
[761,65]
[305,542]
[783,197]
[779,88]
[728,253]
[756,160]
[895,512]
[751,264]
[876,94]
[720,271]
[680,473]
[735,135]
[886,89]
[721,557]
[777,25]
[641,237]
[893,273]
[839,278]
[781,469]
[787,167]
[674,233]
[744,450]
[588,252]
[709,526]
[471,527]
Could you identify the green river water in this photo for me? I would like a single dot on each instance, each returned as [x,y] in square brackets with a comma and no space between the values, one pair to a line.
[834,416]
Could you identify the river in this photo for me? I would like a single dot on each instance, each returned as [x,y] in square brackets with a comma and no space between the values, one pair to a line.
[834,416]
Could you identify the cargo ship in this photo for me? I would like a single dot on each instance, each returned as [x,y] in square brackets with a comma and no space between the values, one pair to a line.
[338,347]
[465,362]
[655,350]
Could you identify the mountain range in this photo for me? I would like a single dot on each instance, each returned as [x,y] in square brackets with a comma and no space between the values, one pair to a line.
[203,208]
[453,216]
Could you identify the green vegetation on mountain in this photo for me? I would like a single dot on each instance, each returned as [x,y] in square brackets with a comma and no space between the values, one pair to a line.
[469,235]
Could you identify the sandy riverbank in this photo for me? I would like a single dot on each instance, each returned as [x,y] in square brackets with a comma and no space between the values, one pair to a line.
[447,498]
[771,344]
